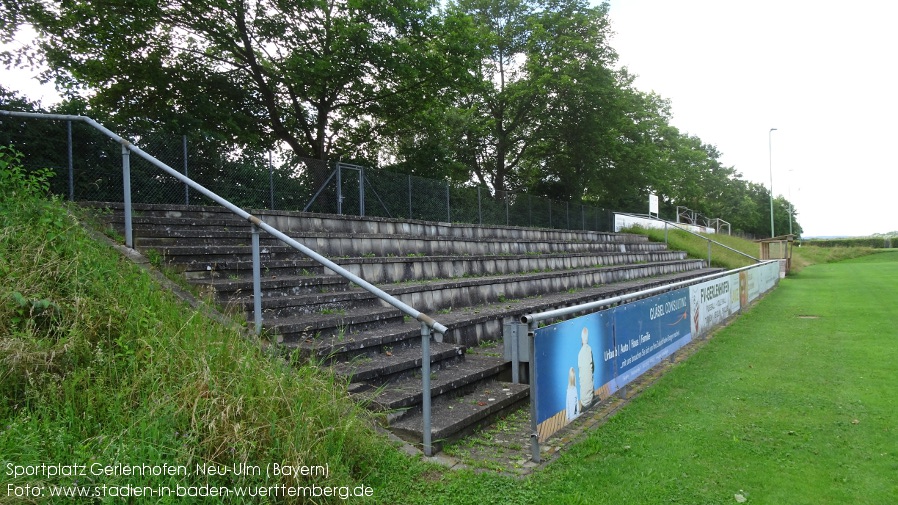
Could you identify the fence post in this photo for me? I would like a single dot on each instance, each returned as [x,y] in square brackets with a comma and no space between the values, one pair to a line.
[425,389]
[410,197]
[186,187]
[507,211]
[362,191]
[339,190]
[271,179]
[126,189]
[71,162]
[448,209]
[257,280]
[479,208]
[530,210]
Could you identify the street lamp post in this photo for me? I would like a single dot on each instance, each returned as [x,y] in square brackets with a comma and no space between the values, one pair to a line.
[770,153]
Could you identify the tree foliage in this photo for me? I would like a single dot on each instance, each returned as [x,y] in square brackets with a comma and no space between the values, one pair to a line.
[298,72]
[508,95]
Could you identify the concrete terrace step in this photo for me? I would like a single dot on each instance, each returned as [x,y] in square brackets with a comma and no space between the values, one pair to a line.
[453,381]
[397,269]
[470,326]
[338,325]
[451,420]
[300,221]
[470,278]
[396,246]
[282,299]
[390,363]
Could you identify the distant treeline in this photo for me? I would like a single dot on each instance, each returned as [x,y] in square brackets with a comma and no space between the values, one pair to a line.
[876,242]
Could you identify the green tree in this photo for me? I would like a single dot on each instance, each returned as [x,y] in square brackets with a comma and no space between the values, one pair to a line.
[254,72]
[581,111]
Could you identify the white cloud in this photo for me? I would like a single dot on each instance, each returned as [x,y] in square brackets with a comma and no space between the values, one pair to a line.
[26,81]
[820,72]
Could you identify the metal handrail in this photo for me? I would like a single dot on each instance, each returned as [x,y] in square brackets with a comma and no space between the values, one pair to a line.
[679,227]
[427,322]
[566,311]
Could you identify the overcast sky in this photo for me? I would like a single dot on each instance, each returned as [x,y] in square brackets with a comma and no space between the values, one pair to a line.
[823,73]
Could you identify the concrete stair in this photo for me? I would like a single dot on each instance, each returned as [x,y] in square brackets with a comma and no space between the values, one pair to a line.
[471,278]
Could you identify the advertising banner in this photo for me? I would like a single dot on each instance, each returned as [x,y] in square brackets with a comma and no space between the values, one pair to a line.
[769,276]
[713,302]
[572,374]
[647,331]
[582,361]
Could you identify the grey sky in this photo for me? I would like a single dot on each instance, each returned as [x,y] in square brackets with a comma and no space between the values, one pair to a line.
[821,72]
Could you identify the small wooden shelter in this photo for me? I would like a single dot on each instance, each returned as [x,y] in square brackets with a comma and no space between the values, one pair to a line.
[778,248]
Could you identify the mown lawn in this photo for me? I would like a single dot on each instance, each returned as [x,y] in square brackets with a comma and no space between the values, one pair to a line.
[794,402]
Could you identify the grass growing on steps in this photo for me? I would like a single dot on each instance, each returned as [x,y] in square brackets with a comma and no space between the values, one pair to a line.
[697,247]
[98,364]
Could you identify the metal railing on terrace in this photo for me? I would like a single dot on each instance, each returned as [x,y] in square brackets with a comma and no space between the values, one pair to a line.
[669,225]
[153,173]
[87,168]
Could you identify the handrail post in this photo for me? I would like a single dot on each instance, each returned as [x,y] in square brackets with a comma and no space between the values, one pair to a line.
[126,189]
[709,253]
[186,187]
[665,232]
[257,280]
[425,389]
[534,428]
[515,353]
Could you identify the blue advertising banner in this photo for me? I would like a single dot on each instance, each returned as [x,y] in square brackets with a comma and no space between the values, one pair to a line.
[584,360]
[647,331]
[571,373]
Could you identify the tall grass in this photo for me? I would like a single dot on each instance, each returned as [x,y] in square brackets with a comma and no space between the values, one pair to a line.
[98,364]
[807,255]
[697,247]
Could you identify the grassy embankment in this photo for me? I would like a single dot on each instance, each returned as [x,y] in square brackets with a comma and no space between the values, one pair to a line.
[99,365]
[697,247]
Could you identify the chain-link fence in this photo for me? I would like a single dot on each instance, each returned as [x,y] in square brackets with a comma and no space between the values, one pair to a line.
[88,167]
